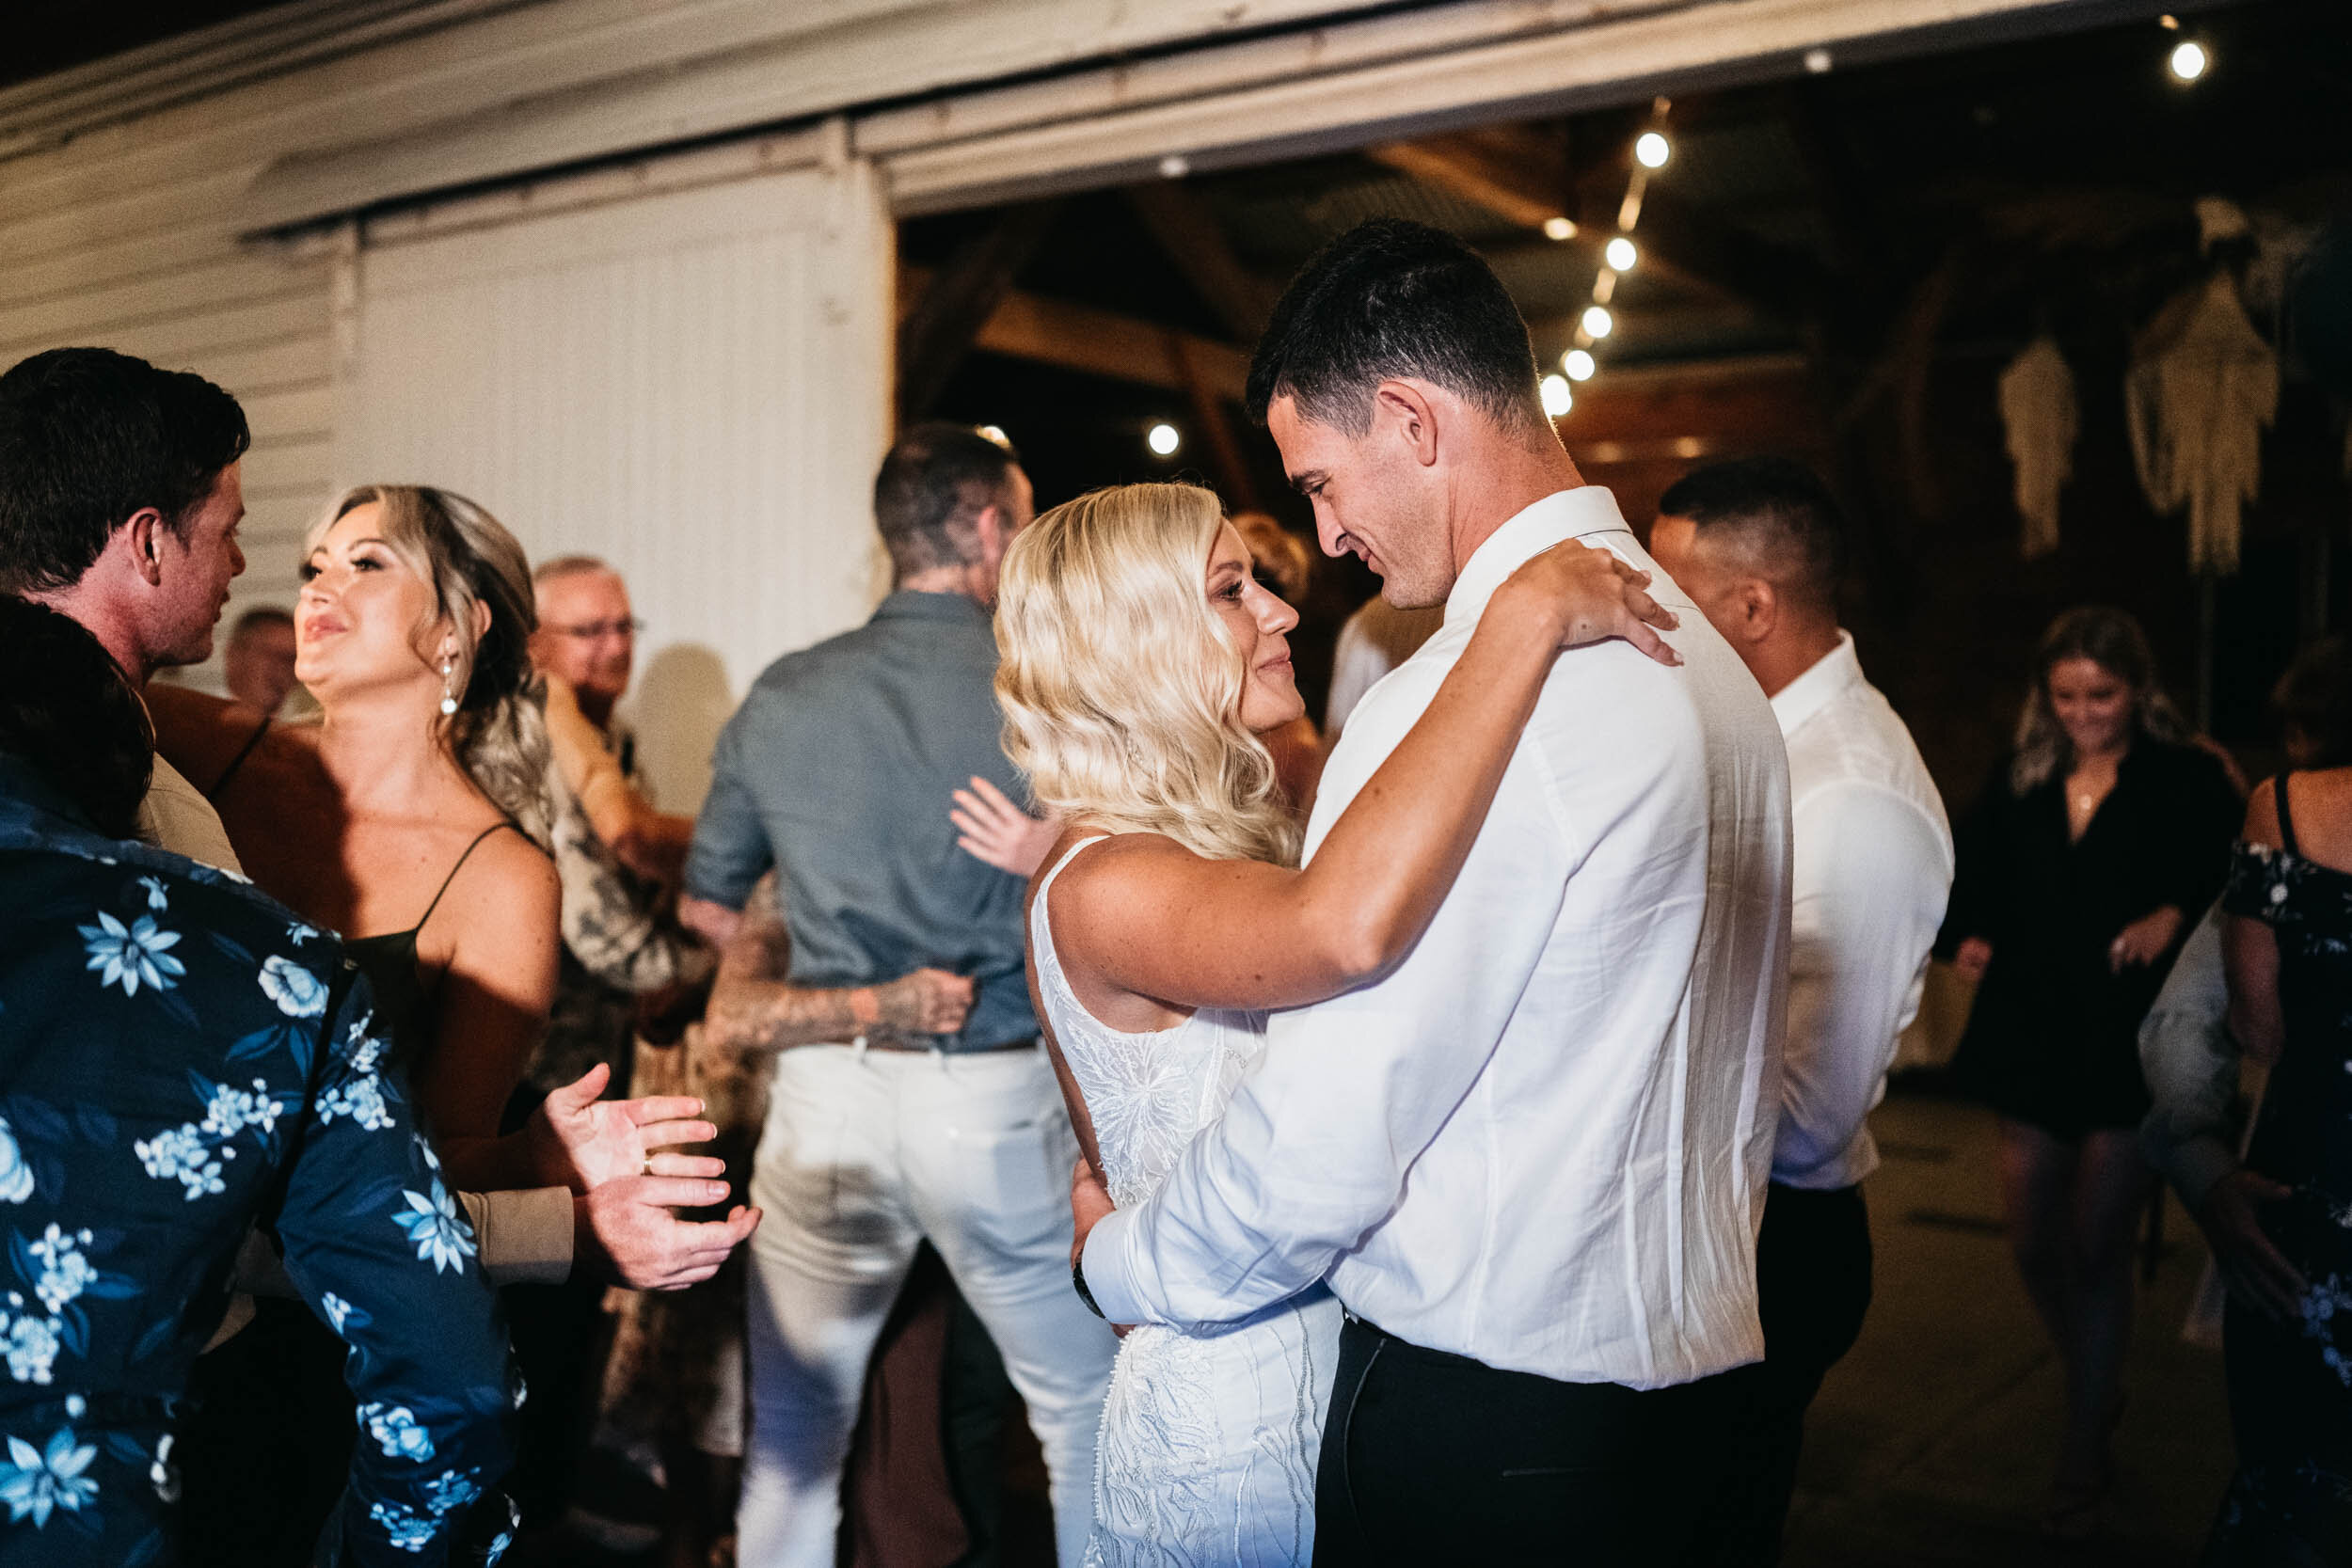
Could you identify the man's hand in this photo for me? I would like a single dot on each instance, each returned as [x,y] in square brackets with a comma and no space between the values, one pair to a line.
[928,1002]
[2256,1271]
[1974,958]
[625,1233]
[712,921]
[2144,941]
[582,1142]
[990,828]
[1089,1200]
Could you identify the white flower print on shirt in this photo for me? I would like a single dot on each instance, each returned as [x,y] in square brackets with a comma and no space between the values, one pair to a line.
[16,1176]
[397,1432]
[32,1348]
[35,1481]
[182,1155]
[406,1529]
[158,895]
[65,1269]
[297,992]
[132,955]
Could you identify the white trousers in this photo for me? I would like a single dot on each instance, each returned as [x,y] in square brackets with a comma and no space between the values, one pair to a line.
[866,1153]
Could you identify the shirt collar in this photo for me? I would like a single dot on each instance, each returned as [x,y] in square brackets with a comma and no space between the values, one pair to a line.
[1827,679]
[1576,514]
[906,604]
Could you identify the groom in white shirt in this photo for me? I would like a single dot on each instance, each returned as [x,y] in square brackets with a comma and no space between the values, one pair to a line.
[1532,1158]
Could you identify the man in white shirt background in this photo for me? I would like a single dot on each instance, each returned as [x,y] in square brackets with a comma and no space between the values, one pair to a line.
[1756,544]
[1531,1158]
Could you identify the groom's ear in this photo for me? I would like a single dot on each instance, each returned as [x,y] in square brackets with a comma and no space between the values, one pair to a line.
[1759,609]
[1406,410]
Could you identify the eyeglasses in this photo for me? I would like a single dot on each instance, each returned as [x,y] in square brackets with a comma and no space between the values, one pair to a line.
[589,631]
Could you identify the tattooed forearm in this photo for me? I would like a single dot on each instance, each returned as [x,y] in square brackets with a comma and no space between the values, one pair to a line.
[755,1007]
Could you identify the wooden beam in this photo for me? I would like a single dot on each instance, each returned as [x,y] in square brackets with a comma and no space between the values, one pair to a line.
[1187,229]
[1208,412]
[937,333]
[1095,341]
[1512,172]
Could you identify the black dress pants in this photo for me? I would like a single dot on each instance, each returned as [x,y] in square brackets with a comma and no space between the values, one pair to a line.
[1433,1458]
[1813,1283]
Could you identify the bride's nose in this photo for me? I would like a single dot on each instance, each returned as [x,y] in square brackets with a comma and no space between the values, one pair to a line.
[1275,613]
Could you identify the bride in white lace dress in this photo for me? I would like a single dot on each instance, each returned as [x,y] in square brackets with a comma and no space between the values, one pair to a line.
[1141,661]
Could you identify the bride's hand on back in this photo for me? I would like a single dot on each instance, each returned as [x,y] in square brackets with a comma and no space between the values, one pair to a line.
[1585,594]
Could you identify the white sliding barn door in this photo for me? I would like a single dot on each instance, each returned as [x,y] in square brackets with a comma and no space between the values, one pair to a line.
[694,386]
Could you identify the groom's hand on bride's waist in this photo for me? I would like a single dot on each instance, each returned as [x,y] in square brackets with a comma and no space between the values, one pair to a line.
[1089,1200]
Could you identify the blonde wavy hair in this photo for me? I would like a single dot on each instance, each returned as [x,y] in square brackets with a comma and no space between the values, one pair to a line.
[2112,640]
[499,734]
[1121,688]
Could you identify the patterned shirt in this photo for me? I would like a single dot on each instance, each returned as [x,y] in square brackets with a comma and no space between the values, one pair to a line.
[178,1055]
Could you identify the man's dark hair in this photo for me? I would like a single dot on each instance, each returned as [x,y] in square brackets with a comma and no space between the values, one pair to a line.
[933,486]
[2314,700]
[66,708]
[89,437]
[1388,300]
[1774,512]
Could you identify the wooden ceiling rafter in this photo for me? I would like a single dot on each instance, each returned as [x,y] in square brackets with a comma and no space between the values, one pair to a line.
[1095,341]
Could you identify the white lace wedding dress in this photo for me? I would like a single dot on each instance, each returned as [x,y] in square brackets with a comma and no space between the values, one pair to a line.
[1207,1453]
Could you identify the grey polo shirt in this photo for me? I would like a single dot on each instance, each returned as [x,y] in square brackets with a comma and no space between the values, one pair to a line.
[836,770]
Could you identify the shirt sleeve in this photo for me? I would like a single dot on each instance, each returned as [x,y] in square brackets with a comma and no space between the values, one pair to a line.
[1872,874]
[611,925]
[376,1245]
[2193,1068]
[1981,852]
[730,852]
[1358,1085]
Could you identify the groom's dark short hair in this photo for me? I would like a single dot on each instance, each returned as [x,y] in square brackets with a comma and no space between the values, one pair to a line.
[1391,299]
[88,438]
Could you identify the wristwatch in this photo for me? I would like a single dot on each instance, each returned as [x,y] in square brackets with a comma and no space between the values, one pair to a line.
[1078,1281]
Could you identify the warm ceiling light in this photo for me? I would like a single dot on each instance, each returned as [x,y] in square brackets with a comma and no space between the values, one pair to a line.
[1652,150]
[1621,253]
[996,434]
[2189,61]
[1559,229]
[1163,440]
[1558,400]
[1597,321]
[1579,364]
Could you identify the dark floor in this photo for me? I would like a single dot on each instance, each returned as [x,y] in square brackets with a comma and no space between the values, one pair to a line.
[1932,1442]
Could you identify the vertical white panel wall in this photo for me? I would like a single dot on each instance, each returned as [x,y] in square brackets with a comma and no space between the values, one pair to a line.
[694,386]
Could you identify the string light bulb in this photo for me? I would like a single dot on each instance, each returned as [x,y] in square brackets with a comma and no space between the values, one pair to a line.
[1559,229]
[1621,254]
[1599,322]
[996,434]
[1163,440]
[1579,364]
[1651,150]
[1558,399]
[2189,60]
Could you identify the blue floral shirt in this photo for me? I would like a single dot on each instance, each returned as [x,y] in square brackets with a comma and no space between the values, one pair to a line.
[180,1055]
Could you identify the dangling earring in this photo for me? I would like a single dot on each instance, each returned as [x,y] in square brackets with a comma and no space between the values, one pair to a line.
[449,686]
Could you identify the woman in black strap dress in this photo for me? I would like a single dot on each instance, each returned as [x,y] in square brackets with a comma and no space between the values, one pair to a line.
[2079,870]
[2288,946]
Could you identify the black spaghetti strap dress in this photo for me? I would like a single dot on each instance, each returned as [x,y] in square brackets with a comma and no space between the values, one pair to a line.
[267,1451]
[2291,1382]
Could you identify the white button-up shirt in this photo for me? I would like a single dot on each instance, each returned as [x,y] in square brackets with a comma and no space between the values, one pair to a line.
[1874,868]
[1543,1139]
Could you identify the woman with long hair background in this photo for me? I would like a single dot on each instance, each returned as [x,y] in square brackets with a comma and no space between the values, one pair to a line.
[2092,847]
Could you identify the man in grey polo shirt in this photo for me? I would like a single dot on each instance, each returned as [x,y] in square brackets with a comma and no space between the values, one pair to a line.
[837,770]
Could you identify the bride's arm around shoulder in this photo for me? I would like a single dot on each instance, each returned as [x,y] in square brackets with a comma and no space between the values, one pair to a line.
[1147,915]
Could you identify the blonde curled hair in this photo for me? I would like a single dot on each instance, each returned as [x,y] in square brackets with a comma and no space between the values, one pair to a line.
[1121,688]
[499,733]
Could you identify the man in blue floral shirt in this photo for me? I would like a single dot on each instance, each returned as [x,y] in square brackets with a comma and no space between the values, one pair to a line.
[178,1055]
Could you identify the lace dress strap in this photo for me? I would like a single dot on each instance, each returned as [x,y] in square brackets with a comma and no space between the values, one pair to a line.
[1047,886]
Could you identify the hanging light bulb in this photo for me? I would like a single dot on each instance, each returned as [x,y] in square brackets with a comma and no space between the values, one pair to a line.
[1597,321]
[1621,253]
[1163,440]
[2189,61]
[1558,400]
[1652,150]
[996,434]
[1579,364]
[1559,229]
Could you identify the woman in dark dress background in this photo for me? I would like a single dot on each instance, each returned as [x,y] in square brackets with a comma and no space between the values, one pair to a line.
[2287,946]
[2092,847]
